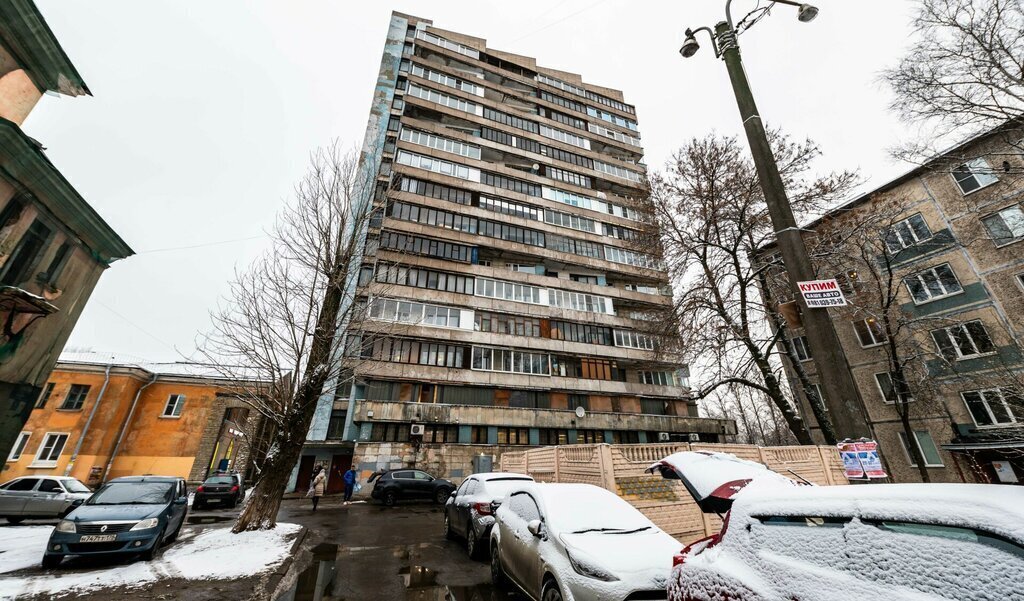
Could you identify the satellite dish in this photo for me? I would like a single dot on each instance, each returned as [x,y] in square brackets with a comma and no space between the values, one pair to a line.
[581,412]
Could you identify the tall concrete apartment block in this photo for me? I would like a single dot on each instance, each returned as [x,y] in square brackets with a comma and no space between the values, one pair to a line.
[505,263]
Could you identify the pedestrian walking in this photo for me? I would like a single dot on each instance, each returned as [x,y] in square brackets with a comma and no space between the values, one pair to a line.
[317,485]
[350,484]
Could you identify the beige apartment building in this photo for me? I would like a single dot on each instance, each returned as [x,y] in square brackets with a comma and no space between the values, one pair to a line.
[956,252]
[507,264]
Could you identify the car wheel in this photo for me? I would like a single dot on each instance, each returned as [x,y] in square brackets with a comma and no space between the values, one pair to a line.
[14,520]
[442,496]
[497,572]
[551,592]
[52,561]
[150,553]
[472,543]
[174,535]
[390,498]
[448,532]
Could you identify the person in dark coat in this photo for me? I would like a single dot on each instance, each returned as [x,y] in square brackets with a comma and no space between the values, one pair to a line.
[350,483]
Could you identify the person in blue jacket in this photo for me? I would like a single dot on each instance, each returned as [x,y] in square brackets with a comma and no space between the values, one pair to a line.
[350,483]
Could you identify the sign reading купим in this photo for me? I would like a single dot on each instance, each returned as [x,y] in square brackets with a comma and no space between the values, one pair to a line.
[822,293]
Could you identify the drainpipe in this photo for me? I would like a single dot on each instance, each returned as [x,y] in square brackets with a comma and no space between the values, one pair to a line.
[92,414]
[124,427]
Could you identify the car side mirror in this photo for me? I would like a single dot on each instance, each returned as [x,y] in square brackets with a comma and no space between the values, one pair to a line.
[452,495]
[536,528]
[180,501]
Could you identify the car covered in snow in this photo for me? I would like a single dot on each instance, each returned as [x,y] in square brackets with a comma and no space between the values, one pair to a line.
[578,542]
[469,512]
[898,542]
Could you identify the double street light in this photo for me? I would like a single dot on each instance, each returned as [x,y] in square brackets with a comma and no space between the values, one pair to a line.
[841,394]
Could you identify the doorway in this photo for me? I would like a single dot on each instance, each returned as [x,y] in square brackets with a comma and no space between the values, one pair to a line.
[305,474]
[335,478]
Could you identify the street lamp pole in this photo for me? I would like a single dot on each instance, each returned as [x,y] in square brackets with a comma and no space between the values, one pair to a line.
[841,394]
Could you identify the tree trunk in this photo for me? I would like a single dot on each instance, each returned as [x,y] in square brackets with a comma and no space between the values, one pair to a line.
[796,425]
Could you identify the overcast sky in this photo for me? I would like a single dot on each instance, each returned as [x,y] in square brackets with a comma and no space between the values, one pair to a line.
[204,113]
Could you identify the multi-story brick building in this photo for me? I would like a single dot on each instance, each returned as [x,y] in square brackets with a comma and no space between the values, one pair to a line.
[954,243]
[509,264]
[101,417]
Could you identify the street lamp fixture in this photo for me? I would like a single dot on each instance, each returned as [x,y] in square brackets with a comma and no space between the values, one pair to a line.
[690,45]
[806,13]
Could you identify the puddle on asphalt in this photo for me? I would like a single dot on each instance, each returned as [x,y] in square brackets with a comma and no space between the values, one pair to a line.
[421,585]
[316,580]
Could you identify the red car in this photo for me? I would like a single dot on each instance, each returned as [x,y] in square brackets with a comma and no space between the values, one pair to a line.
[781,541]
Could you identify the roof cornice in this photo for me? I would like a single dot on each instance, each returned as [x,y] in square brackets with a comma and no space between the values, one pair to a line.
[25,33]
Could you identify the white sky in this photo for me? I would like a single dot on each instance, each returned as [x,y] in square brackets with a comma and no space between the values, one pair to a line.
[205,112]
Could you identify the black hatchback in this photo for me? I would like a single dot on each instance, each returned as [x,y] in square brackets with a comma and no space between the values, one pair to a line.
[217,491]
[395,485]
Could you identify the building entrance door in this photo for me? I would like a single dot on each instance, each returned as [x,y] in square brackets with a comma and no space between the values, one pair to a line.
[305,474]
[336,477]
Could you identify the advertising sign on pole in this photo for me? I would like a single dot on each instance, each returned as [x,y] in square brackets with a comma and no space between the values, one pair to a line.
[822,293]
[861,460]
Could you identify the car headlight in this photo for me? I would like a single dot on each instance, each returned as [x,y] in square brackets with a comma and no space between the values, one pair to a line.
[586,566]
[146,524]
[66,526]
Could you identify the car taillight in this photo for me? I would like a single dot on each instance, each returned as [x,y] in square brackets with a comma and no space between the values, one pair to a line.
[200,489]
[482,508]
[234,488]
[705,543]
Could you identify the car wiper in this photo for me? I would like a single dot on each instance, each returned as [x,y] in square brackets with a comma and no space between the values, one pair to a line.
[632,531]
[615,530]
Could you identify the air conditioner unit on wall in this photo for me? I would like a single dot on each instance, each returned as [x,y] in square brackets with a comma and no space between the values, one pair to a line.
[693,437]
[416,430]
[663,437]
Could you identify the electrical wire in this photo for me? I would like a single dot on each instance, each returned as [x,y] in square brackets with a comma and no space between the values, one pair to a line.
[553,23]
[201,245]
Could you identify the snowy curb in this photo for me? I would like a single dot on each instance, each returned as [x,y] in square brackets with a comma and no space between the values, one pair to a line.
[281,574]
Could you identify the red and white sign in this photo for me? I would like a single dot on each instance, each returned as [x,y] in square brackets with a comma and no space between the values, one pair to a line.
[861,460]
[822,293]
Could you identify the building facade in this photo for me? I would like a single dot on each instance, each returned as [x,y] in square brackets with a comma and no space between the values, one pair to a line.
[53,245]
[954,244]
[512,290]
[104,417]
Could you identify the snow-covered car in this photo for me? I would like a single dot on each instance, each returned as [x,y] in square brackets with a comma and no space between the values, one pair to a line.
[578,542]
[897,542]
[469,512]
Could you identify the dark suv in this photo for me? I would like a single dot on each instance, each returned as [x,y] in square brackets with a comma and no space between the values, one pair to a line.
[395,485]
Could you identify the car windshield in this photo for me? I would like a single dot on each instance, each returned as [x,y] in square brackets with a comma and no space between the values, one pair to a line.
[220,480]
[133,493]
[498,489]
[580,509]
[75,486]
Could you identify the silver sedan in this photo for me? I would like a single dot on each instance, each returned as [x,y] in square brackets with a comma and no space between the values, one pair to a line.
[40,497]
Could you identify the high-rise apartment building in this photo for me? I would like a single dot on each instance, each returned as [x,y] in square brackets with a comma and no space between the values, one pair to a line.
[510,264]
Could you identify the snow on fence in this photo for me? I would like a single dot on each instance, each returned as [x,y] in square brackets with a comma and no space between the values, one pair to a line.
[620,469]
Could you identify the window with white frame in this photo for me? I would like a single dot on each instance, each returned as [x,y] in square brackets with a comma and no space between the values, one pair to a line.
[963,341]
[934,283]
[994,406]
[657,378]
[869,331]
[1005,226]
[508,291]
[630,257]
[19,446]
[509,360]
[447,100]
[453,46]
[400,311]
[800,347]
[909,232]
[564,136]
[926,444]
[974,175]
[614,135]
[625,338]
[50,449]
[578,301]
[440,143]
[438,166]
[174,404]
[447,80]
[885,386]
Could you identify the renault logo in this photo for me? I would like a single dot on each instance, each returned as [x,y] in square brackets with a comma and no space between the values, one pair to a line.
[103,528]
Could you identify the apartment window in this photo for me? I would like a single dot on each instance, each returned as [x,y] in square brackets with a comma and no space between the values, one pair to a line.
[506,207]
[568,177]
[529,399]
[627,339]
[612,118]
[581,332]
[513,325]
[516,436]
[848,281]
[509,183]
[434,217]
[440,143]
[564,137]
[446,80]
[425,246]
[173,406]
[44,396]
[616,171]
[26,254]
[50,449]
[389,273]
[622,233]
[1006,226]
[401,350]
[563,102]
[932,284]
[551,436]
[432,190]
[994,407]
[511,233]
[467,395]
[907,233]
[415,313]
[885,386]
[19,446]
[453,46]
[508,291]
[818,396]
[657,378]
[574,246]
[653,407]
[565,156]
[442,99]
[390,432]
[510,120]
[642,288]
[57,263]
[963,341]
[336,425]
[75,398]
[613,134]
[579,301]
[974,175]
[629,257]
[584,279]
[869,331]
[437,166]
[801,348]
[925,443]
[574,200]
[510,361]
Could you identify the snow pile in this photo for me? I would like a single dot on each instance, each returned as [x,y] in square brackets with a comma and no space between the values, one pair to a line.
[22,547]
[214,554]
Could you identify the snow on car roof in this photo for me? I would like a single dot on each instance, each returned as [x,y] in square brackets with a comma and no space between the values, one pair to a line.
[487,476]
[572,507]
[996,508]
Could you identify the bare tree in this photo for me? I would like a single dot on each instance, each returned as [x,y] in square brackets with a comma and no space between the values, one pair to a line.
[713,220]
[279,337]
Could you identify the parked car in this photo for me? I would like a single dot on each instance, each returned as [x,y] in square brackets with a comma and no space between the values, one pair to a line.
[220,491]
[399,485]
[40,497]
[126,515]
[578,542]
[898,542]
[469,512]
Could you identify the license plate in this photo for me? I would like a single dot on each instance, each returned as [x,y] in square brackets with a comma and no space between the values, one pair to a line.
[213,501]
[98,538]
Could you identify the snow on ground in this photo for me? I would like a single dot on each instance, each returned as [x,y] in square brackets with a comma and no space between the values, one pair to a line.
[212,554]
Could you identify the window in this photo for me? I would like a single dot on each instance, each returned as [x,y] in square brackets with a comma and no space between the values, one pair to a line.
[885,386]
[44,396]
[907,233]
[618,136]
[510,120]
[657,378]
[512,325]
[963,341]
[551,436]
[509,183]
[612,118]
[800,348]
[869,332]
[49,485]
[19,265]
[429,247]
[420,161]
[22,484]
[50,450]
[511,208]
[401,350]
[580,332]
[584,279]
[564,137]
[76,397]
[924,442]
[174,404]
[629,257]
[432,190]
[19,446]
[389,273]
[616,171]
[568,177]
[454,47]
[440,143]
[847,281]
[974,175]
[57,263]
[932,284]
[508,291]
[443,99]
[434,217]
[523,505]
[446,80]
[513,436]
[562,118]
[563,102]
[511,361]
[579,301]
[994,407]
[336,425]
[1006,226]
[625,338]
[572,245]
